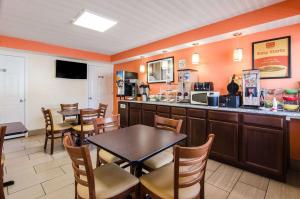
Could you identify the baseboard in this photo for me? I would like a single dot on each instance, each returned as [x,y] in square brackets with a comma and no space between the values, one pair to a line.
[295,165]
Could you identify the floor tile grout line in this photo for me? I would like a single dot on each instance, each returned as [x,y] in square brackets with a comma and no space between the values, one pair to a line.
[252,185]
[22,189]
[267,188]
[217,187]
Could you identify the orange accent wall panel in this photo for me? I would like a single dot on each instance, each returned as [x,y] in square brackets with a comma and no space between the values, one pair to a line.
[22,44]
[216,61]
[275,12]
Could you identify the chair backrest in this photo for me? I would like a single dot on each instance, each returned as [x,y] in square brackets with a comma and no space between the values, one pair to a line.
[87,116]
[190,164]
[82,165]
[103,109]
[107,122]
[64,107]
[167,123]
[48,118]
[2,134]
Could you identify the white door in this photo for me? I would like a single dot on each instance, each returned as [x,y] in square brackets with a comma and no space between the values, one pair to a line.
[101,87]
[12,89]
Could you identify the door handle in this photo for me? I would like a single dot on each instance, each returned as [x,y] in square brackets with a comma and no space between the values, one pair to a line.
[3,70]
[21,100]
[90,98]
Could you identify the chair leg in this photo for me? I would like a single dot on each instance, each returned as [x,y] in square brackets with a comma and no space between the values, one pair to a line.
[46,141]
[1,183]
[52,143]
[202,188]
[98,163]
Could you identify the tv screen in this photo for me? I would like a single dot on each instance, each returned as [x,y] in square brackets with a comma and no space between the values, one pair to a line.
[71,70]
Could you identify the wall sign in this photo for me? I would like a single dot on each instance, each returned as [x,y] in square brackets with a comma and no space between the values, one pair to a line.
[251,88]
[272,58]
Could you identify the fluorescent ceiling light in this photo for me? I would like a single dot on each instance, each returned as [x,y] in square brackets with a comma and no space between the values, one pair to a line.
[94,22]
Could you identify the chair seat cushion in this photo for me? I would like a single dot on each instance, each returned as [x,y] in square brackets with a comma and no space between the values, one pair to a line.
[159,160]
[110,180]
[89,127]
[161,183]
[60,127]
[108,157]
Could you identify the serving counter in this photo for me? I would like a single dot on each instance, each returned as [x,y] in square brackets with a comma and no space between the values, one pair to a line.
[254,140]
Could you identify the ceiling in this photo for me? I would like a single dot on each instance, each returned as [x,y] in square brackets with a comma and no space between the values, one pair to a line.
[139,21]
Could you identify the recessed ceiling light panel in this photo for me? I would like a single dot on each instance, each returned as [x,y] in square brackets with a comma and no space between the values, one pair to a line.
[92,21]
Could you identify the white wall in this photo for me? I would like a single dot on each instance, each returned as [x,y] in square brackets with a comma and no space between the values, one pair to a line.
[43,89]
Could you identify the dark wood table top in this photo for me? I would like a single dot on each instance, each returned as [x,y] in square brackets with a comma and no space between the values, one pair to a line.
[74,112]
[14,128]
[136,143]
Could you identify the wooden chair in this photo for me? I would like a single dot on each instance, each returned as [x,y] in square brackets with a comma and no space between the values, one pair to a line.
[86,126]
[107,181]
[53,131]
[166,156]
[182,179]
[100,126]
[103,109]
[2,134]
[70,119]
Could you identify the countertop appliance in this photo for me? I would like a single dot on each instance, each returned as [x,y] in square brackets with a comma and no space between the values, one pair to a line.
[233,99]
[127,83]
[213,98]
[203,86]
[201,97]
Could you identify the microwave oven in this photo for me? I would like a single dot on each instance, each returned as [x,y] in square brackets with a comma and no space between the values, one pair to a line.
[205,98]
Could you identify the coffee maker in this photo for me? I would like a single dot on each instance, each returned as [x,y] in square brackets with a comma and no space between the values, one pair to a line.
[144,92]
[127,84]
[233,99]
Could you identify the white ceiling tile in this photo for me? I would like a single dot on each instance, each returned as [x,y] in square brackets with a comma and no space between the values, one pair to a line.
[139,21]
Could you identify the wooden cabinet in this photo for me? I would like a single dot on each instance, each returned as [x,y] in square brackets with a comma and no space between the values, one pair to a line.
[148,113]
[225,146]
[263,145]
[254,142]
[196,127]
[123,110]
[225,127]
[135,114]
[163,111]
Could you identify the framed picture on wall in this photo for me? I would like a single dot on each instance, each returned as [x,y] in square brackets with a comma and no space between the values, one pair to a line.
[272,58]
[160,71]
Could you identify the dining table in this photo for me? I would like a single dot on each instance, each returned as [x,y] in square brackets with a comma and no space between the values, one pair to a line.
[136,143]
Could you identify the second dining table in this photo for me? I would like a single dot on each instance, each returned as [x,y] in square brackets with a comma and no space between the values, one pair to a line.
[136,143]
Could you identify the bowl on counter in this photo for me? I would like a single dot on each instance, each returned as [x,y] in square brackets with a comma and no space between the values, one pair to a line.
[291,91]
[290,98]
[291,107]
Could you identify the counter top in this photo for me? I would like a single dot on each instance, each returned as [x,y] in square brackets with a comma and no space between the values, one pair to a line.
[289,115]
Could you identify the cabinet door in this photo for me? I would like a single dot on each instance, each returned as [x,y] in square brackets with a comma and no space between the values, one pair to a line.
[135,116]
[196,131]
[183,127]
[166,115]
[148,117]
[263,149]
[225,144]
[123,111]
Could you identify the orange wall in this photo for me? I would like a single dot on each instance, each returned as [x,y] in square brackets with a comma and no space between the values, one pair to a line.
[23,44]
[216,61]
[271,13]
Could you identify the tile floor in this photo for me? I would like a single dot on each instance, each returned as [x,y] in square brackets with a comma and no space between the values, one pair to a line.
[40,175]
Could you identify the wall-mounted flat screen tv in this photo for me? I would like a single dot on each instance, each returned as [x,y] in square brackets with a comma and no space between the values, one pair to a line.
[71,70]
